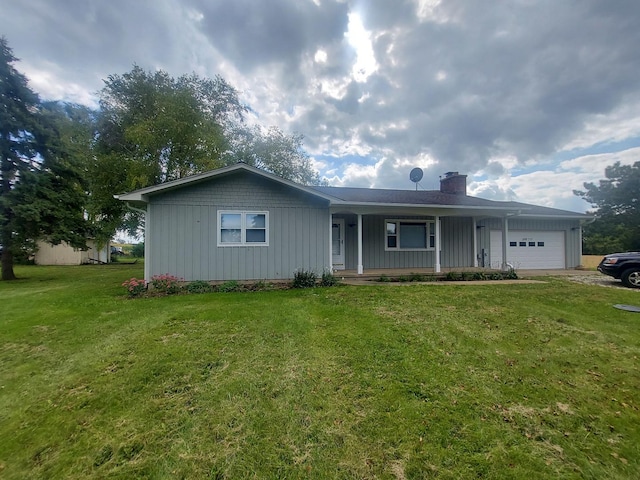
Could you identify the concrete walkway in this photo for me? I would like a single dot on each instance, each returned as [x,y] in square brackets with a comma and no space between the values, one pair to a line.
[554,273]
[525,277]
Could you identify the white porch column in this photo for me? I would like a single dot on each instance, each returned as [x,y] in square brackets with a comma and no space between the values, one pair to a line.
[360,267]
[330,242]
[436,264]
[474,226]
[505,242]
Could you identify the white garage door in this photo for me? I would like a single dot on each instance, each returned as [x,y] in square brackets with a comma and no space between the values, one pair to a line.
[529,250]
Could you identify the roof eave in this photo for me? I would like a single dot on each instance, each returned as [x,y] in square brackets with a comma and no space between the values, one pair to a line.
[575,216]
[143,194]
[130,197]
[343,203]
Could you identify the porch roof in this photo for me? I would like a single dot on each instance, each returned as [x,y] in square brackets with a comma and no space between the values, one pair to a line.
[388,199]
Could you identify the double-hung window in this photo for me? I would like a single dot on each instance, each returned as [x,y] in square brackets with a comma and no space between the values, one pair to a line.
[243,228]
[410,235]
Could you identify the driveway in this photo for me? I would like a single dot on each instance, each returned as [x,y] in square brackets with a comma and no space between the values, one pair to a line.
[600,280]
[587,277]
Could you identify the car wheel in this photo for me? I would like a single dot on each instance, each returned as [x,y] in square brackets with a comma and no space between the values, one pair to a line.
[631,278]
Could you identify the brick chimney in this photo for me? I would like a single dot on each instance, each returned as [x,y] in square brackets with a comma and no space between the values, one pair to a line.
[453,182]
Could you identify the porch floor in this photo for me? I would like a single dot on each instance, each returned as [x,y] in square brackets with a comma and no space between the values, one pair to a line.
[397,272]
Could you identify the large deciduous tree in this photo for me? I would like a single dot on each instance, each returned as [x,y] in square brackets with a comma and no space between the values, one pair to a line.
[272,150]
[41,189]
[168,128]
[617,202]
[153,128]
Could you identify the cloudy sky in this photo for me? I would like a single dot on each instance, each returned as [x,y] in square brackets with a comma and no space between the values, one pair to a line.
[529,98]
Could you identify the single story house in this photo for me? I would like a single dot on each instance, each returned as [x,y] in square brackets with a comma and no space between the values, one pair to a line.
[242,223]
[65,254]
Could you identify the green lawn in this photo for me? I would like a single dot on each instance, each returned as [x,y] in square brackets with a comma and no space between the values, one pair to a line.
[383,381]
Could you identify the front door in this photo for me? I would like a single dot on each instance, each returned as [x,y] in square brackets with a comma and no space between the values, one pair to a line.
[337,244]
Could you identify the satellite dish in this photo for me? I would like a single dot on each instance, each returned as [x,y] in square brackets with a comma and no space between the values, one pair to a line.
[415,176]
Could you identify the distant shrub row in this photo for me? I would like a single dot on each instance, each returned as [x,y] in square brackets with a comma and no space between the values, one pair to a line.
[451,277]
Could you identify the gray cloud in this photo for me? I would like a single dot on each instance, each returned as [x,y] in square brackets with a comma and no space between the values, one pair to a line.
[276,32]
[463,84]
[516,78]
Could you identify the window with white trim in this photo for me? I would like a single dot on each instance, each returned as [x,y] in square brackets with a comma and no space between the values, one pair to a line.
[243,228]
[410,235]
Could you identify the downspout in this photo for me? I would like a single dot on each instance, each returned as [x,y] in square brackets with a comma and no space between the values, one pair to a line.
[587,222]
[147,256]
[135,209]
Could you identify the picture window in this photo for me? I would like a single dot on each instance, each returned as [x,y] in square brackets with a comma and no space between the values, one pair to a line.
[409,235]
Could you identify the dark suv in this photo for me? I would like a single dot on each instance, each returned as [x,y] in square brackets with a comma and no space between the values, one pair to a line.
[625,266]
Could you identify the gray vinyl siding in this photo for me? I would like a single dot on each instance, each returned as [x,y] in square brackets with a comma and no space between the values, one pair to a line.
[456,242]
[373,242]
[184,228]
[571,229]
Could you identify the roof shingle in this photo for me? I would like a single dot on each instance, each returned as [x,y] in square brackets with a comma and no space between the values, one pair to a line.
[431,197]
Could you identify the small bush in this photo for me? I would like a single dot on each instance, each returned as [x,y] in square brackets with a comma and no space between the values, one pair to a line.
[510,274]
[135,287]
[416,277]
[166,283]
[199,286]
[328,279]
[452,276]
[383,278]
[478,276]
[260,285]
[304,279]
[137,250]
[228,286]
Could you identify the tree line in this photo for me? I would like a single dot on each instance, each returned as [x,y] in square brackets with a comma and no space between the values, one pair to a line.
[616,203]
[61,163]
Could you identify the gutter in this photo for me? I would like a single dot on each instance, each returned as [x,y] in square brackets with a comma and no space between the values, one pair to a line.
[147,264]
[433,206]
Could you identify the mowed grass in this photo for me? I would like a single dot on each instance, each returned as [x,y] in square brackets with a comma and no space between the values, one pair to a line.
[383,381]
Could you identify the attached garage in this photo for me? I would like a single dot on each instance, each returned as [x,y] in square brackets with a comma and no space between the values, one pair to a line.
[533,250]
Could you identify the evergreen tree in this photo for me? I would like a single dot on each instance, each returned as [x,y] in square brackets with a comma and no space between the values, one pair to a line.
[617,203]
[41,189]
